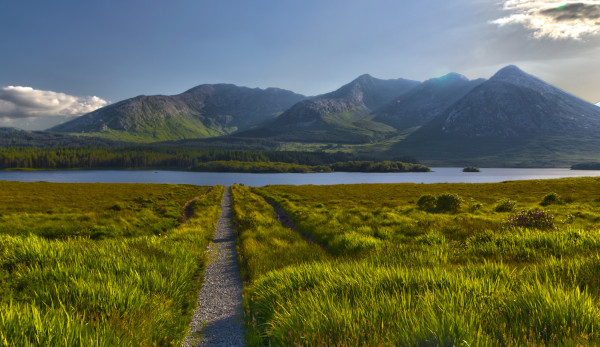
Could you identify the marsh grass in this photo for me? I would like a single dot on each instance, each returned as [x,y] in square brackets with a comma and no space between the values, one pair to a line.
[400,275]
[131,288]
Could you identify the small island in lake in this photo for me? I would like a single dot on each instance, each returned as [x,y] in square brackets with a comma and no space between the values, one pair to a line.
[586,166]
[471,169]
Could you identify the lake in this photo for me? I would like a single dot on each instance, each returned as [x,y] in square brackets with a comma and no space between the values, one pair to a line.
[439,175]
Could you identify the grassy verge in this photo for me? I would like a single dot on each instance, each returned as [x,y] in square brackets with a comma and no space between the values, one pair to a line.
[404,274]
[264,246]
[100,264]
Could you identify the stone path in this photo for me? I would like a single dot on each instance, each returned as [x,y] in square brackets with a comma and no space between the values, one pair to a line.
[218,318]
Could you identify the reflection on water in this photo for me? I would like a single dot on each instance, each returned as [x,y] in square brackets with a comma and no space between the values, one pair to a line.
[439,175]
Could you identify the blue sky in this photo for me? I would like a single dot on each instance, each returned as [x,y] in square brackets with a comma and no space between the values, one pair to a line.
[61,58]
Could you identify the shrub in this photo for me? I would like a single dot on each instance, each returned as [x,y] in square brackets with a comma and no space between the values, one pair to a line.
[504,205]
[550,199]
[474,205]
[448,202]
[426,202]
[535,219]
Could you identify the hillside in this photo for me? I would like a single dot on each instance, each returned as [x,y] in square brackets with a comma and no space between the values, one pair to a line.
[205,111]
[341,116]
[513,119]
[426,101]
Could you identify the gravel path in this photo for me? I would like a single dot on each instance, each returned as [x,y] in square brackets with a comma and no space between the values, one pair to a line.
[218,317]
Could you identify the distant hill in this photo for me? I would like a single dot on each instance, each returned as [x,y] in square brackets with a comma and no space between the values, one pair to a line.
[513,118]
[340,116]
[208,110]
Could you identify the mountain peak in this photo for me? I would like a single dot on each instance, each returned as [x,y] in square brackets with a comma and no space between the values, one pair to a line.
[451,77]
[510,72]
[514,104]
[369,91]
[364,77]
[513,75]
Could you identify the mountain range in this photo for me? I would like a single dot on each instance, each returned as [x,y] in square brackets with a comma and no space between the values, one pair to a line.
[511,119]
[342,116]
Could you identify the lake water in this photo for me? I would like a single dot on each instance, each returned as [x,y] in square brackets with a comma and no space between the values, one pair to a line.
[439,175]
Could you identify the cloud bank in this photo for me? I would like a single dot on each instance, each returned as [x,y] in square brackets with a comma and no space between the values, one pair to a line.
[554,19]
[25,102]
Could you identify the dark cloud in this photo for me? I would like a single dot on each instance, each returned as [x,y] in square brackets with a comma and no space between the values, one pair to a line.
[573,12]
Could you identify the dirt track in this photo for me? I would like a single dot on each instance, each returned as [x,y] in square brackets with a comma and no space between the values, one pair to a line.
[218,317]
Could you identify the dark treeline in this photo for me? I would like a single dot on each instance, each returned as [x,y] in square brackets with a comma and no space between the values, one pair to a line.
[10,137]
[277,167]
[188,159]
[379,166]
[586,166]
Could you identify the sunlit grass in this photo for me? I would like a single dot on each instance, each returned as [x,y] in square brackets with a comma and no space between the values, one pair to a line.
[401,275]
[74,289]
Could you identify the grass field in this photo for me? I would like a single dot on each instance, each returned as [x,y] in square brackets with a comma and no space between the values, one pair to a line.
[100,264]
[514,263]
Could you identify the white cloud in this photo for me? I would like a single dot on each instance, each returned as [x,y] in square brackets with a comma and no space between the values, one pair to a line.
[554,19]
[26,102]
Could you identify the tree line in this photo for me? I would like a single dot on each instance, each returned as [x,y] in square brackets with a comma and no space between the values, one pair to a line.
[192,159]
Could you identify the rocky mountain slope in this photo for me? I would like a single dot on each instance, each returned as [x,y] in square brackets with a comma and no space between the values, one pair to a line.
[205,111]
[340,116]
[513,114]
[515,104]
[426,101]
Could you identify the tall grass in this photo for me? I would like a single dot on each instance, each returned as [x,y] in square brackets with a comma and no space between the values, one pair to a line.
[359,303]
[265,246]
[264,243]
[82,291]
[404,276]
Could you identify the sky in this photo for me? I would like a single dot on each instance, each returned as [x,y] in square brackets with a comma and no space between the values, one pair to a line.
[60,59]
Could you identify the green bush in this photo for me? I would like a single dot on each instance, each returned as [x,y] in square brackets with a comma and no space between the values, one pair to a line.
[448,202]
[551,198]
[474,205]
[426,202]
[504,205]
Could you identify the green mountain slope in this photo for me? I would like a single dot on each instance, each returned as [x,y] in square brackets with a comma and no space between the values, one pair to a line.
[201,112]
